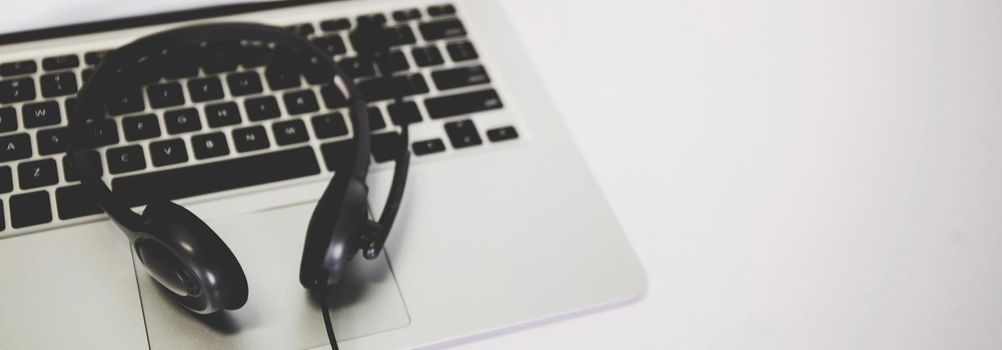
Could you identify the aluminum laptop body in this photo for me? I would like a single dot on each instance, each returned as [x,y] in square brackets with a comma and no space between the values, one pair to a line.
[508,231]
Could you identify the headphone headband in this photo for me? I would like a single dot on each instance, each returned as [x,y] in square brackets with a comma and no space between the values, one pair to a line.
[113,74]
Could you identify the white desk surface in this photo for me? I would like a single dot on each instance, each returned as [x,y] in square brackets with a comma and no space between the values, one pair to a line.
[793,174]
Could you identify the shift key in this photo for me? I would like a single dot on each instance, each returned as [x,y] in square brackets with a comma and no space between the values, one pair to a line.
[466,103]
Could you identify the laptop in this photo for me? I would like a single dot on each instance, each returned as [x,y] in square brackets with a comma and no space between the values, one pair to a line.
[501,225]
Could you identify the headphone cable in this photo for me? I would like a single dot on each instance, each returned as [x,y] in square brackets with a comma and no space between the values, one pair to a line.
[327,313]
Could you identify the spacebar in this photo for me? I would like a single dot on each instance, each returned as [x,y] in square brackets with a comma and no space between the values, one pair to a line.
[217,176]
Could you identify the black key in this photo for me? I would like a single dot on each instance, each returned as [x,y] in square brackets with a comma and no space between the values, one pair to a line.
[461,51]
[357,68]
[205,89]
[168,152]
[375,118]
[75,201]
[333,44]
[95,57]
[182,120]
[18,68]
[218,176]
[401,35]
[317,72]
[376,18]
[165,95]
[404,113]
[262,108]
[282,77]
[30,209]
[13,147]
[3,222]
[502,134]
[333,97]
[244,83]
[141,127]
[460,77]
[290,132]
[70,171]
[60,62]
[442,29]
[41,114]
[210,145]
[462,133]
[102,133]
[222,114]
[397,35]
[84,75]
[398,62]
[386,146]
[8,119]
[428,146]
[6,180]
[250,139]
[329,125]
[304,29]
[466,103]
[300,102]
[335,24]
[126,102]
[385,88]
[338,155]
[58,84]
[441,10]
[406,15]
[37,173]
[52,141]
[126,159]
[427,56]
[17,90]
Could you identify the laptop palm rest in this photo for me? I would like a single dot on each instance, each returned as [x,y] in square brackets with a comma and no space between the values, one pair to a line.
[279,312]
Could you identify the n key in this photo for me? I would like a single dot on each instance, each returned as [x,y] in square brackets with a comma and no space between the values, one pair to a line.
[250,139]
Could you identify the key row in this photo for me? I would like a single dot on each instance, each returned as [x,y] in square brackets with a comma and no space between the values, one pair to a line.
[403,15]
[40,173]
[185,120]
[34,208]
[278,76]
[213,62]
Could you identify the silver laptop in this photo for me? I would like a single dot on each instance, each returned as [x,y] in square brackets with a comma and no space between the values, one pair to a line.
[501,225]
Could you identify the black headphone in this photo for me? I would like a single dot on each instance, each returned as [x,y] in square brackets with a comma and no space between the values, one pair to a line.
[177,248]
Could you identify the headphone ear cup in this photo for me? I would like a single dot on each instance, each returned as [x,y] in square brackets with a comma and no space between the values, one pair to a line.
[187,258]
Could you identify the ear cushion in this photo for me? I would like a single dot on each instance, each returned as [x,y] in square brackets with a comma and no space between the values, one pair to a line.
[334,232]
[203,266]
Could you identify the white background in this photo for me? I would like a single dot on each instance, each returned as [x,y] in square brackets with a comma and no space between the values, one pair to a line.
[793,174]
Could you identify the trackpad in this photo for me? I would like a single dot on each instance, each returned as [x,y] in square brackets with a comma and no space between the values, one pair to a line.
[280,313]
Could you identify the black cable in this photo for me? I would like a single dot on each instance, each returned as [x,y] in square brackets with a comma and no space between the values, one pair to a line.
[322,288]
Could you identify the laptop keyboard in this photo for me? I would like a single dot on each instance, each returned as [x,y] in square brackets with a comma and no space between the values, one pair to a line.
[221,125]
